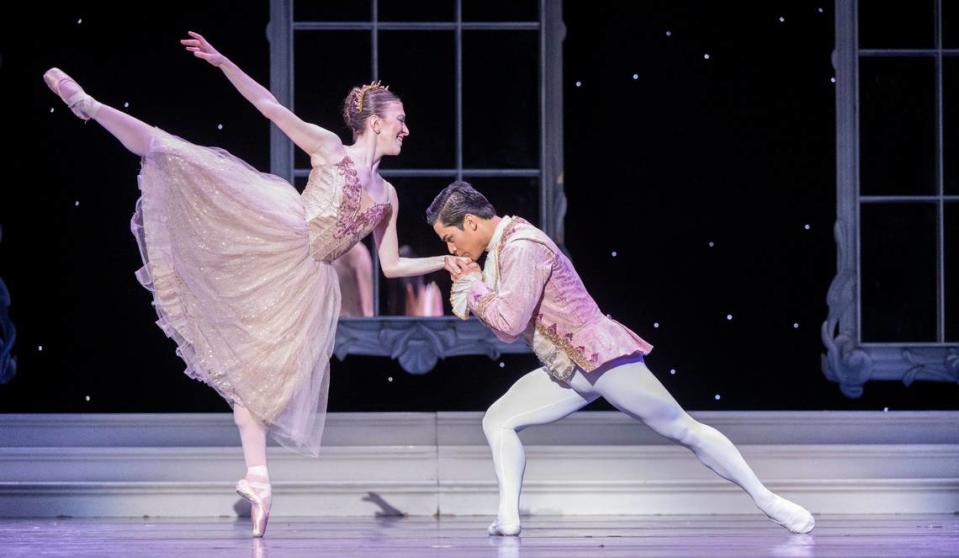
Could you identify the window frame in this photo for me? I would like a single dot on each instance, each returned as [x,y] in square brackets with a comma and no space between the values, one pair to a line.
[418,342]
[850,361]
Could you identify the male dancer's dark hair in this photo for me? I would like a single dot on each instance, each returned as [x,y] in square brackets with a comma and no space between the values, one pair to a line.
[456,200]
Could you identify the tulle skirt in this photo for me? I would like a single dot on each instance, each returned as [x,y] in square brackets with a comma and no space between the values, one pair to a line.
[226,256]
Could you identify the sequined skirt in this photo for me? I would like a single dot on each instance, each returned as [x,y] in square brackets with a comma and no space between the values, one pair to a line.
[226,257]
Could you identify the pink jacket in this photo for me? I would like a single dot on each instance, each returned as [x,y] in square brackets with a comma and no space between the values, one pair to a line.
[539,295]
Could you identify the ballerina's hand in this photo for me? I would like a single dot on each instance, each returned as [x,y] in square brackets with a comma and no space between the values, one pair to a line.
[202,49]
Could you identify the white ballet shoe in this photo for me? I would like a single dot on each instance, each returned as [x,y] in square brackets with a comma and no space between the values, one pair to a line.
[790,515]
[260,496]
[497,529]
[82,105]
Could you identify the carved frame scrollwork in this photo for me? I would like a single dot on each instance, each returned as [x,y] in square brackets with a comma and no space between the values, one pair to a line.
[849,361]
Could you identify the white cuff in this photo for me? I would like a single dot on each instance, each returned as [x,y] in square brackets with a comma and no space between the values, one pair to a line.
[459,294]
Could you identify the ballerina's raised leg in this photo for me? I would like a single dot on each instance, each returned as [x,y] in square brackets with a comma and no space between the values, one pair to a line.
[136,136]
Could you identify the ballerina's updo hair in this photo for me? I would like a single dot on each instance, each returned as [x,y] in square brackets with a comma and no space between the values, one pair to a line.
[363,102]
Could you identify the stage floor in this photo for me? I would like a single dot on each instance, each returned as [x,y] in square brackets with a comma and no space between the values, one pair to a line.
[914,536]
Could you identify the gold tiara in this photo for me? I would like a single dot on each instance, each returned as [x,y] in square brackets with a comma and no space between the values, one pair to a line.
[361,97]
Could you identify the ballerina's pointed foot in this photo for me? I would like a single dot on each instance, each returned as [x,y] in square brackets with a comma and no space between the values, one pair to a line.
[498,529]
[70,92]
[260,496]
[790,515]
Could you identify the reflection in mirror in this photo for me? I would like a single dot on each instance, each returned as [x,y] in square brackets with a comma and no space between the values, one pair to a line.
[413,296]
[416,296]
[429,295]
[355,272]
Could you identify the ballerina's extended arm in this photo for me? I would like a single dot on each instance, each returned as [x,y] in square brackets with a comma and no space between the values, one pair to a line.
[309,137]
[387,247]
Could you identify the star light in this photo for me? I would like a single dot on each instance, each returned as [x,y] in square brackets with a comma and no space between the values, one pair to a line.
[729,317]
[706,56]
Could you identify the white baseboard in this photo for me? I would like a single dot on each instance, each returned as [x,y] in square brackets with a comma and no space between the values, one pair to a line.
[424,464]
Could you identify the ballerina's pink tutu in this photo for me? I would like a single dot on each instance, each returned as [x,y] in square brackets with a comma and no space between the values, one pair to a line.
[239,266]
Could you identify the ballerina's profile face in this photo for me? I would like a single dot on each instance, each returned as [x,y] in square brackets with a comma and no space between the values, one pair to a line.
[390,129]
[468,242]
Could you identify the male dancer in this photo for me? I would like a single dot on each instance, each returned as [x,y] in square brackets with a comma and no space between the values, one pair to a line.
[528,287]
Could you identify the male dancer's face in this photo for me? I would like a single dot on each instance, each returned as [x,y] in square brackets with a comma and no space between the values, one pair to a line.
[469,242]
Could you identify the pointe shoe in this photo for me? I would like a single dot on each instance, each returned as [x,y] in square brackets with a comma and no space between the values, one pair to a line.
[82,105]
[260,496]
[497,529]
[790,515]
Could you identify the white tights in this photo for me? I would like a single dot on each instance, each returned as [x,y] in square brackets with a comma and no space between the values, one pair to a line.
[252,436]
[537,398]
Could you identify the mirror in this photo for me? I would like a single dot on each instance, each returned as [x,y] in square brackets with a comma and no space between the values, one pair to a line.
[483,99]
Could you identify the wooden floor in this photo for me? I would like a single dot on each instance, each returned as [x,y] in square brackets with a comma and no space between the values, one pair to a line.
[914,536]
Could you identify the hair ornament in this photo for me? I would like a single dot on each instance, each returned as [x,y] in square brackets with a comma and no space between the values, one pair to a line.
[361,96]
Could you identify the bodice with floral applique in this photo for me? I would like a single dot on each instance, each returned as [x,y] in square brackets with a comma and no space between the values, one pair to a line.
[335,212]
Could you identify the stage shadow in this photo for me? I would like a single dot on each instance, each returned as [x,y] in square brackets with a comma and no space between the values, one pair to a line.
[386,510]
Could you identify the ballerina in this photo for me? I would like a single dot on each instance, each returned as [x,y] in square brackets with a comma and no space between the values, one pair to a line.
[239,262]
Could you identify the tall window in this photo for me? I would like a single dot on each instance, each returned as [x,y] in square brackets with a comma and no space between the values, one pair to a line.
[481,85]
[895,299]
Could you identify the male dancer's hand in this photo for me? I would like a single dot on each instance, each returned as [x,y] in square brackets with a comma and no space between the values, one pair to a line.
[202,49]
[472,267]
[455,264]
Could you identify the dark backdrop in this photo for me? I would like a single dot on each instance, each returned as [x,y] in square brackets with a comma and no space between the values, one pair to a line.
[712,180]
